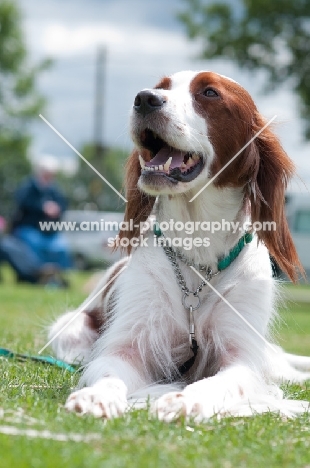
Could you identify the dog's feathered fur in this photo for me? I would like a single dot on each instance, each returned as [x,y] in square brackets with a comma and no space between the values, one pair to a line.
[139,326]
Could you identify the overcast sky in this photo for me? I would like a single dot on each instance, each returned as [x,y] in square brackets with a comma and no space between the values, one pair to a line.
[144,41]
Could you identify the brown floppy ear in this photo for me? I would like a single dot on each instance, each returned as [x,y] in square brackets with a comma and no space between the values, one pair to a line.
[139,205]
[267,195]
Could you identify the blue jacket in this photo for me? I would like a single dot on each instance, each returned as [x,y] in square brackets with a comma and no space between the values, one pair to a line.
[30,198]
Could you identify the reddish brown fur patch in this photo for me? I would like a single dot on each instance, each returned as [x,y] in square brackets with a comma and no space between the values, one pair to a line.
[268,198]
[165,83]
[264,167]
[139,205]
[114,273]
[78,408]
[229,120]
[97,316]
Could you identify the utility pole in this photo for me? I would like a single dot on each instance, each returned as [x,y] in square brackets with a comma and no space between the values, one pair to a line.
[101,58]
[97,189]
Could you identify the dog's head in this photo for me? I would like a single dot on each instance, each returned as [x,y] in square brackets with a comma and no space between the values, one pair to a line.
[187,130]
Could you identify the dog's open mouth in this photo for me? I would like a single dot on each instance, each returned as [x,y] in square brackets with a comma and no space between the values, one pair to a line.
[175,164]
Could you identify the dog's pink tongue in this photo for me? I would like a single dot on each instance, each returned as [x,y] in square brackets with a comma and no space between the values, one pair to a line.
[164,154]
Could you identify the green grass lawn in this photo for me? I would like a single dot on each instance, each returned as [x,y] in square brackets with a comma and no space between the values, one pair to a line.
[32,397]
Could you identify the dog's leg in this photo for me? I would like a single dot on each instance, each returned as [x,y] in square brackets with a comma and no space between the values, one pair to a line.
[235,391]
[217,395]
[73,336]
[301,363]
[285,367]
[110,379]
[74,333]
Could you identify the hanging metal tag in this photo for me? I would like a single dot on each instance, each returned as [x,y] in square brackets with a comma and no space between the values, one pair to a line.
[191,325]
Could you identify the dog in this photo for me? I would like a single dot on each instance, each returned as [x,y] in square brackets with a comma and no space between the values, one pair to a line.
[185,319]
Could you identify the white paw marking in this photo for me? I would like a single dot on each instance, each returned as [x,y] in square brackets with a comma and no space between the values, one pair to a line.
[177,404]
[197,402]
[105,400]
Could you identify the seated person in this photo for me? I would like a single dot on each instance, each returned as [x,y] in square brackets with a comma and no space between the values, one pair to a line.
[39,200]
[26,264]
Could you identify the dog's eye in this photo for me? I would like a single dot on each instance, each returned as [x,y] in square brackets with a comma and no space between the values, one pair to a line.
[210,92]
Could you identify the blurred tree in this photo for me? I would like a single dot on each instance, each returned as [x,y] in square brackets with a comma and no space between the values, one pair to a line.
[19,103]
[261,34]
[87,189]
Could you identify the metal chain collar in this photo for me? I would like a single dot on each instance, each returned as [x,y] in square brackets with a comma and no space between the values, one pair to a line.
[172,256]
[193,303]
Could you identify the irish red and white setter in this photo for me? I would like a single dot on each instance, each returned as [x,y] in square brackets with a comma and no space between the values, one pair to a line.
[198,344]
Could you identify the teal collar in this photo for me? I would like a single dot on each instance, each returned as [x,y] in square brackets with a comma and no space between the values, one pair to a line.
[223,262]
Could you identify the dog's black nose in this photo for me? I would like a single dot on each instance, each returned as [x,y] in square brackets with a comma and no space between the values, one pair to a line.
[148,101]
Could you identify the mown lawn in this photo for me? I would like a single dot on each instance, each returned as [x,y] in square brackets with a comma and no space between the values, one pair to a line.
[32,415]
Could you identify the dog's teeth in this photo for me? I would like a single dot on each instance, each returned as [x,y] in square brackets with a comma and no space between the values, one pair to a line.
[183,166]
[142,162]
[154,168]
[168,164]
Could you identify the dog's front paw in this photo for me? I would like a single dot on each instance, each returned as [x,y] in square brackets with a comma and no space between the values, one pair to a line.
[175,405]
[102,401]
